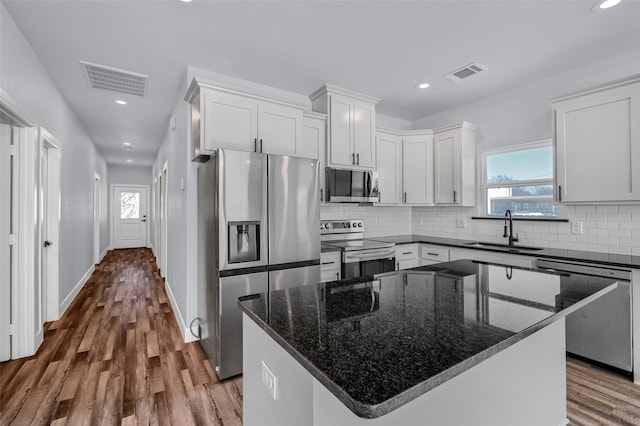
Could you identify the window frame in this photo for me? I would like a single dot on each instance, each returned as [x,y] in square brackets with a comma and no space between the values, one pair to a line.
[484,185]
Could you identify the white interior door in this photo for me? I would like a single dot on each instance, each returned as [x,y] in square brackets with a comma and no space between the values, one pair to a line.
[163,222]
[5,247]
[129,212]
[50,222]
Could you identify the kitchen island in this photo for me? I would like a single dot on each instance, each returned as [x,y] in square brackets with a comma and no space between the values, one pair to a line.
[454,343]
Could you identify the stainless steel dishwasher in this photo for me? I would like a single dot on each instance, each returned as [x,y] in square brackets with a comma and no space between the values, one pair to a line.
[602,330]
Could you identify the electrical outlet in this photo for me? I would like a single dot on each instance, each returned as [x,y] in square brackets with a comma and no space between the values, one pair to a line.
[461,222]
[576,227]
[270,380]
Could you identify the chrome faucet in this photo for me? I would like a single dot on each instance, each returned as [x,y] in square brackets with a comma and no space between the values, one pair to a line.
[508,228]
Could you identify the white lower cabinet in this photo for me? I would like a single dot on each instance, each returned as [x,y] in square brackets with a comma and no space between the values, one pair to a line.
[330,264]
[430,254]
[407,256]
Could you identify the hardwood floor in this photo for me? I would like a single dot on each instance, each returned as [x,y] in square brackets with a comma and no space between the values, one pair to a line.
[117,357]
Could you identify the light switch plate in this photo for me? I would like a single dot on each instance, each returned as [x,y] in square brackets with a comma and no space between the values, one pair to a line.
[576,227]
[270,380]
[461,222]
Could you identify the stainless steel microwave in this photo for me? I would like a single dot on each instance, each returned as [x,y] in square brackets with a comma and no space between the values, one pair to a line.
[352,186]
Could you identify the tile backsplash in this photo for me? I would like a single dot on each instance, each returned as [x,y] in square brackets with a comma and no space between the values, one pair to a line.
[378,221]
[605,228]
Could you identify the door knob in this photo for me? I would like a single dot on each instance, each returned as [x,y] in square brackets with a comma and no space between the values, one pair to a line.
[47,243]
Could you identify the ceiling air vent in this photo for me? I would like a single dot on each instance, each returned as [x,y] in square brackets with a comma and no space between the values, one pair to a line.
[465,72]
[107,78]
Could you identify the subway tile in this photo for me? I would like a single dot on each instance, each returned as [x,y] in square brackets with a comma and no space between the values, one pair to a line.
[619,233]
[558,245]
[619,217]
[585,209]
[630,242]
[619,250]
[608,241]
[596,232]
[576,246]
[607,209]
[634,208]
[600,248]
[605,224]
[567,238]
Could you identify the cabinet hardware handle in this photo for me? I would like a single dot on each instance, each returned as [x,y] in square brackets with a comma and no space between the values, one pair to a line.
[353,158]
[255,144]
[328,263]
[337,276]
[454,195]
[433,254]
[407,252]
[559,192]
[397,266]
[405,197]
[358,159]
[260,145]
[321,195]
[379,196]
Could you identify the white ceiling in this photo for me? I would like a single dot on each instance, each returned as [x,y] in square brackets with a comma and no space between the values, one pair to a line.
[381,48]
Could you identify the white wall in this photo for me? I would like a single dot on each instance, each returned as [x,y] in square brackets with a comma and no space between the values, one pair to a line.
[26,80]
[524,115]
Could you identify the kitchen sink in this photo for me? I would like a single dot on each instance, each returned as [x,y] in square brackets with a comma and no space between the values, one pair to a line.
[505,247]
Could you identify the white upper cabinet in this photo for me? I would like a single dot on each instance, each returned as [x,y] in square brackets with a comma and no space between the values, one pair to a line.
[223,116]
[597,144]
[389,166]
[314,144]
[351,126]
[455,165]
[417,168]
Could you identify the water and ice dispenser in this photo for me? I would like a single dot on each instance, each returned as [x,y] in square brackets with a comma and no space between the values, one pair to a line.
[244,241]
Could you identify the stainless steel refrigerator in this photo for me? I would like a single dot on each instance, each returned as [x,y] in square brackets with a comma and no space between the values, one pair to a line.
[258,231]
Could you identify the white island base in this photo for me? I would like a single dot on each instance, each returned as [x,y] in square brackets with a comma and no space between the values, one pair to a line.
[525,384]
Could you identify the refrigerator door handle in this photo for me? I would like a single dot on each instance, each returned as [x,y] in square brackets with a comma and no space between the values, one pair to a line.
[255,144]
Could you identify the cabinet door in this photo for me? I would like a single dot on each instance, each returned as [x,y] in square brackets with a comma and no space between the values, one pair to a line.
[417,170]
[389,166]
[229,121]
[598,147]
[314,145]
[279,129]
[341,151]
[363,123]
[446,163]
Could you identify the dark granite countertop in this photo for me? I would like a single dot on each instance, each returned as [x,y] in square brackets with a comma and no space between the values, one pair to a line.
[379,342]
[620,260]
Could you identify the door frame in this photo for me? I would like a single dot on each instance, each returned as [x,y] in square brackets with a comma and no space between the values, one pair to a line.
[162,208]
[97,194]
[113,208]
[25,281]
[49,221]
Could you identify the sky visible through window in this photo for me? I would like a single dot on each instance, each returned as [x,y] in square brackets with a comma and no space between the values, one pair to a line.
[529,164]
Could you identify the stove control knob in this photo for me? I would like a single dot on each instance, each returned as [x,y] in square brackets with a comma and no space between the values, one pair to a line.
[359,224]
[348,225]
[322,226]
[327,226]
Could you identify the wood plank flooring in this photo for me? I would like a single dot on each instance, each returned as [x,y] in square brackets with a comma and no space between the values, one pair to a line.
[117,357]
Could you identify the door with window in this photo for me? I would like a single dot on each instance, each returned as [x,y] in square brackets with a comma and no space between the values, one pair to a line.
[129,211]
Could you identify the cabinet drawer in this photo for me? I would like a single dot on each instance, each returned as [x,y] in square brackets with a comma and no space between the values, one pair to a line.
[330,265]
[434,254]
[407,252]
[406,264]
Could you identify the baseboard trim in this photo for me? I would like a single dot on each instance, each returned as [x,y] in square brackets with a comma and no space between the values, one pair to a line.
[74,292]
[184,330]
[104,253]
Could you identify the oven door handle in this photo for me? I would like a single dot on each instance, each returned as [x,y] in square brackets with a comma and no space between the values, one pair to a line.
[369,255]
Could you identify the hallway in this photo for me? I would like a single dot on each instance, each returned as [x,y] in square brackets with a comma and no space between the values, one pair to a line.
[117,356]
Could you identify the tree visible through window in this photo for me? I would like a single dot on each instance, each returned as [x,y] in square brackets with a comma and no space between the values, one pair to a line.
[519,179]
[129,205]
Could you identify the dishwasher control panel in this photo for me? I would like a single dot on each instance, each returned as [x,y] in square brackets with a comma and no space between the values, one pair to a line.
[584,268]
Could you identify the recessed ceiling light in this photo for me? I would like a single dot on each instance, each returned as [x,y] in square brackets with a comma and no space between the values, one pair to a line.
[604,4]
[129,160]
[126,143]
[422,85]
[121,102]
[186,1]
